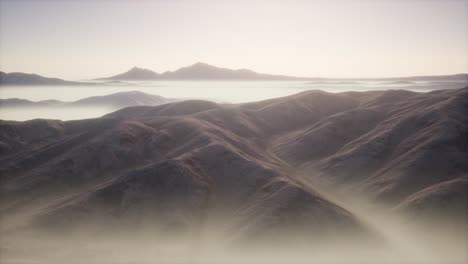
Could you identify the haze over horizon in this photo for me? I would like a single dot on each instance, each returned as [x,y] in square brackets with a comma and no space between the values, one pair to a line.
[86,39]
[237,132]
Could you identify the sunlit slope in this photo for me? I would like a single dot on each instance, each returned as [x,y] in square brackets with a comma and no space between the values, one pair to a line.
[393,145]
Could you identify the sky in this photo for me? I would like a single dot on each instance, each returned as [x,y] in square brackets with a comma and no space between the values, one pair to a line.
[84,39]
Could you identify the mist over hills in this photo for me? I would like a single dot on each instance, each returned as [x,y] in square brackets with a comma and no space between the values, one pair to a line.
[255,167]
[395,144]
[114,101]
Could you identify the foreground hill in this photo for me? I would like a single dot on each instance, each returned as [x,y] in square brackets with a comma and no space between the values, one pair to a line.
[253,167]
[394,144]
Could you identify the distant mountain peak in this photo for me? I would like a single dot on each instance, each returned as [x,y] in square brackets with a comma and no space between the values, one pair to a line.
[197,71]
[202,64]
[134,73]
[204,71]
[135,68]
[199,66]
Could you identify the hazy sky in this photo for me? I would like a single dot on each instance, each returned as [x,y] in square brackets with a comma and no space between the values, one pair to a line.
[88,39]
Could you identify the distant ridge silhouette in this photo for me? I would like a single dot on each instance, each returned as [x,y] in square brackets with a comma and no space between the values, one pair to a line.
[204,71]
[197,71]
[114,101]
[19,78]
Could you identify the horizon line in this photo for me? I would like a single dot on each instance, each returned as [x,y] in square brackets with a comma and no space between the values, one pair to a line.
[238,69]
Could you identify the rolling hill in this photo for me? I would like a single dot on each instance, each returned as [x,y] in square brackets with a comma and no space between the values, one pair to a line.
[114,101]
[187,165]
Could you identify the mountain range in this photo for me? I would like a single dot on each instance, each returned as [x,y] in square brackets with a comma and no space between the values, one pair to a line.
[197,71]
[201,71]
[255,167]
[204,71]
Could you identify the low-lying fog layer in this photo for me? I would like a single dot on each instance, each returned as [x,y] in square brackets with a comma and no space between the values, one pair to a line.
[374,177]
[232,91]
[218,91]
[397,240]
[62,113]
[394,238]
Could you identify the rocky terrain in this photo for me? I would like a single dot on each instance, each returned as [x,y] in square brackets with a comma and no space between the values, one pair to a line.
[254,167]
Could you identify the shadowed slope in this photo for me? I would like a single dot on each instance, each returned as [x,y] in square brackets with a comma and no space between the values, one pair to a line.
[186,163]
[164,161]
[446,201]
